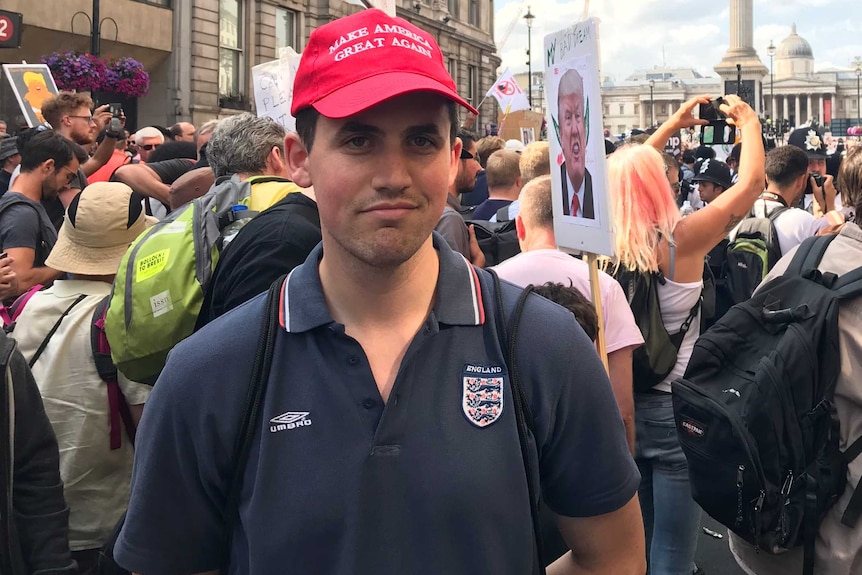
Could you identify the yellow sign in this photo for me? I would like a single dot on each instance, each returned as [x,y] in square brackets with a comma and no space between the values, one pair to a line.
[151,265]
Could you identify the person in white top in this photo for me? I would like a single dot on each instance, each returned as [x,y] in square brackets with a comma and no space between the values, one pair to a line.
[647,223]
[541,262]
[95,454]
[786,179]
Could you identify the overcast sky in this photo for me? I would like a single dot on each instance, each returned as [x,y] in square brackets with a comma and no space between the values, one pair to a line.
[639,34]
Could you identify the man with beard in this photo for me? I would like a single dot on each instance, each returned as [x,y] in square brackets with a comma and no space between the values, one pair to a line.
[577,182]
[371,453]
[451,225]
[49,163]
[69,115]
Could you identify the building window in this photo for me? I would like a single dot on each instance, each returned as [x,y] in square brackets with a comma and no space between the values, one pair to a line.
[474,12]
[453,69]
[621,128]
[285,30]
[230,48]
[663,109]
[452,5]
[637,109]
[165,3]
[471,84]
[622,109]
[607,110]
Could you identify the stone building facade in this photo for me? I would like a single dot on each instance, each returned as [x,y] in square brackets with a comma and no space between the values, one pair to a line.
[199,53]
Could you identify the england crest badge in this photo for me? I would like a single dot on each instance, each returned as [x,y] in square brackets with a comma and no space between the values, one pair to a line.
[482,395]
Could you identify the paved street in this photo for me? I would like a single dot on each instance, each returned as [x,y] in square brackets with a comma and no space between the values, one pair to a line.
[713,554]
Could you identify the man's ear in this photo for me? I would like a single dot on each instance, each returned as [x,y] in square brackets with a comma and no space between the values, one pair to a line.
[296,157]
[455,161]
[520,228]
[276,163]
[49,166]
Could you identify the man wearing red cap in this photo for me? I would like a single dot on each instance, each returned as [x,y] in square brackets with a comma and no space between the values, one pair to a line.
[387,441]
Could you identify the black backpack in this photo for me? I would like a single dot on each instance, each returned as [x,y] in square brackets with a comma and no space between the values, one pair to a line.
[497,240]
[754,411]
[751,254]
[656,358]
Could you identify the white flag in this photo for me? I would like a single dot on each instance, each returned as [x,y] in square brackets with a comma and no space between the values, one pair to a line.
[508,93]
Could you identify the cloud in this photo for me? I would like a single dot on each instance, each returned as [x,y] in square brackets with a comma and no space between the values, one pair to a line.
[642,34]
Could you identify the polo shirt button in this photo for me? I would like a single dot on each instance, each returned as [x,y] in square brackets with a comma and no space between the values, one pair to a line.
[352,360]
[369,403]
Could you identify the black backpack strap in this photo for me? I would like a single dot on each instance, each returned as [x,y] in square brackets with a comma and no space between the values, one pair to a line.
[254,400]
[809,254]
[54,329]
[849,285]
[854,507]
[503,214]
[773,215]
[676,338]
[523,413]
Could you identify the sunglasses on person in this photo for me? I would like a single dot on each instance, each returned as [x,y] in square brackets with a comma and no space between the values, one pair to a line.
[465,155]
[149,147]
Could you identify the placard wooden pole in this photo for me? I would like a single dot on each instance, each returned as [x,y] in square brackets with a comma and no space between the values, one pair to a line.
[596,296]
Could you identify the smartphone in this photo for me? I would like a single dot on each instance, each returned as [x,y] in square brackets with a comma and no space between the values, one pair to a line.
[116,110]
[718,131]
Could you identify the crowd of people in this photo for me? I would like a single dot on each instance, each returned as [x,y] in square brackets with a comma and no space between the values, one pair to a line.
[361,394]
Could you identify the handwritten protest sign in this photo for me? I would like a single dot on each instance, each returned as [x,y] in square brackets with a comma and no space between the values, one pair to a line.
[582,215]
[273,88]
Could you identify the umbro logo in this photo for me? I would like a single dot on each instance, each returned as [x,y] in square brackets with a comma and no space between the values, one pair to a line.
[289,420]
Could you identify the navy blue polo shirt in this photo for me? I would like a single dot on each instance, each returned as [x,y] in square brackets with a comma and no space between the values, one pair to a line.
[338,482]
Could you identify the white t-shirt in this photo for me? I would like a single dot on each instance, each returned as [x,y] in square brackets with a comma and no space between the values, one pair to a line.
[676,301]
[538,267]
[96,478]
[792,226]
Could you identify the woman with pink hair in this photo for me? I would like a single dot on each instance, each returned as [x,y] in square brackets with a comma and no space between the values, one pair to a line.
[652,237]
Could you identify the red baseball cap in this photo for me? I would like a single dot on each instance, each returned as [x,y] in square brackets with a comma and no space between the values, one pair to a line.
[356,62]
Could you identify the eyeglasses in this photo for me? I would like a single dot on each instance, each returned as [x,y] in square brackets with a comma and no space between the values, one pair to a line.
[149,147]
[70,175]
[465,155]
[88,118]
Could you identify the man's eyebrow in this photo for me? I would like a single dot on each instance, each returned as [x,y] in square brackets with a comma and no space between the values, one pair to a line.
[423,129]
[354,127]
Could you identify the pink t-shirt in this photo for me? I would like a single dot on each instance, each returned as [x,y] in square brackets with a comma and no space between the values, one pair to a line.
[538,267]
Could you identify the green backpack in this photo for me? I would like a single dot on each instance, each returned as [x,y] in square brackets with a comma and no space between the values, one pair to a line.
[159,288]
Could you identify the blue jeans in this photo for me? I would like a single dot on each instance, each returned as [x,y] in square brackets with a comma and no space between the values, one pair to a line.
[671,517]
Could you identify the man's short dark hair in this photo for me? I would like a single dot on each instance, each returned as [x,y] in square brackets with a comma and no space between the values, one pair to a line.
[176,130]
[704,152]
[49,145]
[306,124]
[171,150]
[573,300]
[785,164]
[467,138]
[688,157]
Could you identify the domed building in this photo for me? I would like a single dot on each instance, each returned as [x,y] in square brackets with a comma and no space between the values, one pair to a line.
[795,91]
[794,57]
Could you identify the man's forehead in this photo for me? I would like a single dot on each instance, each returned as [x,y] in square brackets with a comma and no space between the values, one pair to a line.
[413,111]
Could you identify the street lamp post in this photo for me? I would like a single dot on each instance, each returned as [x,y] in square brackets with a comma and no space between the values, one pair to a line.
[771,51]
[529,17]
[651,104]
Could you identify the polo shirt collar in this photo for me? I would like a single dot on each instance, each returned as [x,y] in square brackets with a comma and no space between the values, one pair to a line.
[457,301]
